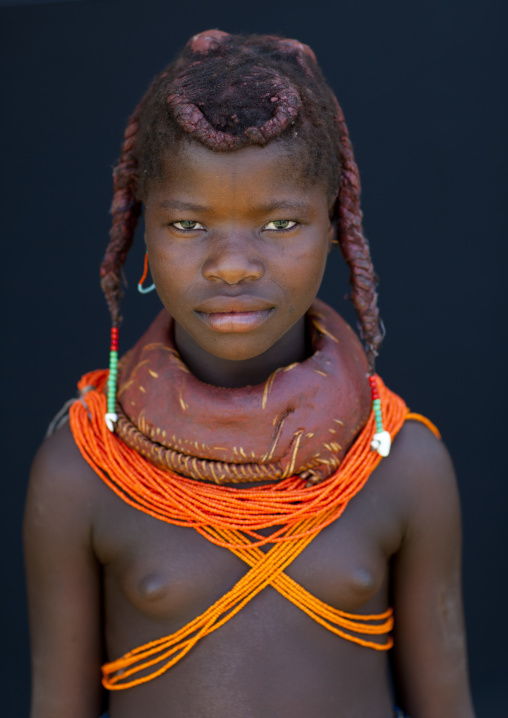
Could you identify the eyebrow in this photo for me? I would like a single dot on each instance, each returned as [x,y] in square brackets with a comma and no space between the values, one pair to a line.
[281,204]
[276,204]
[181,206]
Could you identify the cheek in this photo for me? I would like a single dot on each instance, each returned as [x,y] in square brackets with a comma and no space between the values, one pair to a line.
[304,271]
[173,271]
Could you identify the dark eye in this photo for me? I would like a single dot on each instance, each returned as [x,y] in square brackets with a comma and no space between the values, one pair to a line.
[187,225]
[280,224]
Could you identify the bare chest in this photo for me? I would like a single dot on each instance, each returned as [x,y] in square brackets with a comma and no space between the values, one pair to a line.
[171,574]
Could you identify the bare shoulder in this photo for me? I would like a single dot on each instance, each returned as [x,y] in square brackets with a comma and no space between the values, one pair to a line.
[62,486]
[58,458]
[421,456]
[424,479]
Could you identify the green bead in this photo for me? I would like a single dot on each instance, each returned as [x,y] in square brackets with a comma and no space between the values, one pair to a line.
[376,402]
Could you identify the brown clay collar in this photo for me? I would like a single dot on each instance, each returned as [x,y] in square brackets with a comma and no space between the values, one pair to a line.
[302,420]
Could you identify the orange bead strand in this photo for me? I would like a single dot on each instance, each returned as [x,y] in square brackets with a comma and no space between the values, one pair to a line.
[233,518]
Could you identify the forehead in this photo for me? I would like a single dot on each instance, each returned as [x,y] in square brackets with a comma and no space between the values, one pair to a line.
[262,171]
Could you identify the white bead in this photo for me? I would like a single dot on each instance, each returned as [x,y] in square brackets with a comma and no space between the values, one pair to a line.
[381,443]
[111,420]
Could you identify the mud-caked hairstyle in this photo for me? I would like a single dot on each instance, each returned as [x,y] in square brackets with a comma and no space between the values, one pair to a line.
[232,91]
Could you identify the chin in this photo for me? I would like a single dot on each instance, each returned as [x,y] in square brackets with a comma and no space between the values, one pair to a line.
[232,353]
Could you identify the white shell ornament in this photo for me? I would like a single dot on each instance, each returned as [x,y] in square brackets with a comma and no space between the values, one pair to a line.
[381,442]
[111,420]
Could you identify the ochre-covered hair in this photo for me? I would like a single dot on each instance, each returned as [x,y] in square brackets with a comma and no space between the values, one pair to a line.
[228,92]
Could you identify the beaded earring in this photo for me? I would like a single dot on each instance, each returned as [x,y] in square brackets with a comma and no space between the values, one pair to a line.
[381,441]
[141,289]
[111,415]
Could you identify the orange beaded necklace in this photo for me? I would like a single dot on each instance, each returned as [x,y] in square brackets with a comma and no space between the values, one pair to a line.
[232,518]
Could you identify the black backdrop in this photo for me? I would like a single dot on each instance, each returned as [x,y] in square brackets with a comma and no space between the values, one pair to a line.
[422,88]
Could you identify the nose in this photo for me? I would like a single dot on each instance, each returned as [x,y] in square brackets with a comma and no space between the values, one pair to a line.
[232,260]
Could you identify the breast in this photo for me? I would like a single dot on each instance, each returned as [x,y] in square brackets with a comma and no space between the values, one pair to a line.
[173,574]
[347,578]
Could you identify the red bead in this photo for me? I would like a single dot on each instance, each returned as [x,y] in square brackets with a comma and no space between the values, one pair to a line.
[114,331]
[375,395]
[372,380]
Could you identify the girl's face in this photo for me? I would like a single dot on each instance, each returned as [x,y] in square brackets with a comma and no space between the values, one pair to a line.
[237,243]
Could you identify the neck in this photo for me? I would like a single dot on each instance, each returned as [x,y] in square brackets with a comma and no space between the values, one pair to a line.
[292,347]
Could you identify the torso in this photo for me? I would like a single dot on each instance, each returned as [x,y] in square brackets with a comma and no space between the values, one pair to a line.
[270,659]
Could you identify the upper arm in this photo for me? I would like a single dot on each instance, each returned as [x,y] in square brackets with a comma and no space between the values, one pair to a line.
[429,651]
[63,580]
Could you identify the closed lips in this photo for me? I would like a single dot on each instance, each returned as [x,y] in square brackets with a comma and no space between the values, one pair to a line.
[226,306]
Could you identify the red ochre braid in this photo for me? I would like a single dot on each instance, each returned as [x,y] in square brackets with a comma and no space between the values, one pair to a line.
[355,247]
[232,518]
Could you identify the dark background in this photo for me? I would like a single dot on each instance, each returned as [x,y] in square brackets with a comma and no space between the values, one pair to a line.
[422,86]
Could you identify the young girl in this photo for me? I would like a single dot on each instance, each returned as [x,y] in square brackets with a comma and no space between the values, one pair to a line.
[240,519]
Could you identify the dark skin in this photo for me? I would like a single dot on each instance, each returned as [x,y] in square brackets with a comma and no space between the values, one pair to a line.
[398,542]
